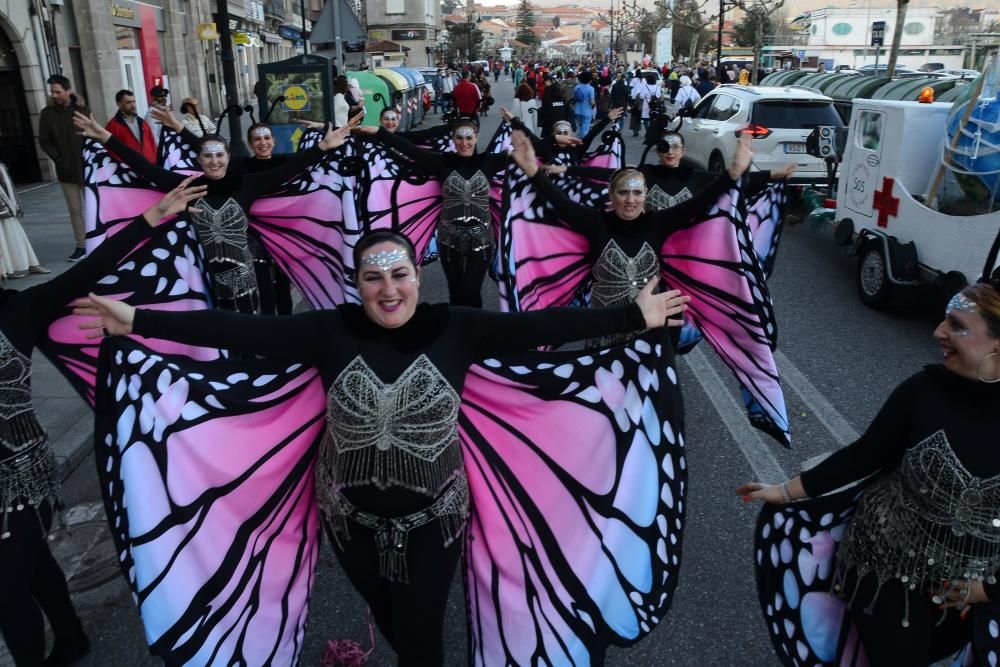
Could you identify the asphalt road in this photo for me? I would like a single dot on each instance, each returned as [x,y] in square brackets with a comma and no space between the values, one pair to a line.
[839,361]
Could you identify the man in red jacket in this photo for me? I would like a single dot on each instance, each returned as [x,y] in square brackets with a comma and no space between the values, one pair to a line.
[131,130]
[467,97]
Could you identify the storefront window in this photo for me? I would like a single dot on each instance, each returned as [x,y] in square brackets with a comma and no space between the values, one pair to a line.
[126,38]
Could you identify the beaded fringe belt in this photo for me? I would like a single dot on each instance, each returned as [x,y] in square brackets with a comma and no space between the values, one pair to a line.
[28,479]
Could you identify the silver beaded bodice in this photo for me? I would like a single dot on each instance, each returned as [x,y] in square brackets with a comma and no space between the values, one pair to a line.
[465,216]
[401,433]
[223,234]
[929,520]
[657,199]
[19,427]
[618,278]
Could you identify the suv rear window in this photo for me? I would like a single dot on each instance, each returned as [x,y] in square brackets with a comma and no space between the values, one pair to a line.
[795,115]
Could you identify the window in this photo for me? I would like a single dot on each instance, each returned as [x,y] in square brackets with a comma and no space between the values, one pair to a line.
[913,28]
[724,108]
[794,115]
[701,111]
[870,126]
[841,28]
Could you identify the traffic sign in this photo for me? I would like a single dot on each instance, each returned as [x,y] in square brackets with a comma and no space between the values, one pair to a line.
[878,33]
[800,54]
[607,50]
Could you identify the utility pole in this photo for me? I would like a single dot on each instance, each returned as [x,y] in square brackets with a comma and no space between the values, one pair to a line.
[897,35]
[236,146]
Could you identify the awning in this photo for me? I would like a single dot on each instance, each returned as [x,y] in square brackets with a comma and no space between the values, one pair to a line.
[349,30]
[270,37]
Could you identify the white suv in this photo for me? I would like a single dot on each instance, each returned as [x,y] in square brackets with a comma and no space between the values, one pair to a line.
[778,118]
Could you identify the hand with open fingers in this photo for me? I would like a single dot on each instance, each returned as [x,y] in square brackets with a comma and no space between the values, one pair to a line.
[166,118]
[335,138]
[310,124]
[89,126]
[365,129]
[523,153]
[661,310]
[615,114]
[356,119]
[553,169]
[566,140]
[742,157]
[507,115]
[769,493]
[110,317]
[784,172]
[176,200]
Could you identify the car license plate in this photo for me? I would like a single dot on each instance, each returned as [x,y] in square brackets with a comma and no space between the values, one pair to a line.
[795,148]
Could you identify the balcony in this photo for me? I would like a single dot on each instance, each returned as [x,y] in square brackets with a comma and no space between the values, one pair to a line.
[275,9]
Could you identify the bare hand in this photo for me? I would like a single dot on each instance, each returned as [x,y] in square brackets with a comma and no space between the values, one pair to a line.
[566,140]
[769,493]
[742,157]
[310,124]
[507,115]
[334,138]
[615,114]
[112,318]
[166,118]
[365,129]
[523,153]
[553,169]
[784,172]
[661,309]
[90,127]
[176,201]
[356,119]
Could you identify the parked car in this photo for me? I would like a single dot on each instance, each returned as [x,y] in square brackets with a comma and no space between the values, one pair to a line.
[882,69]
[931,67]
[966,74]
[778,118]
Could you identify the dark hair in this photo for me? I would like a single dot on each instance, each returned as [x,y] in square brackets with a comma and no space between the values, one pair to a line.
[59,80]
[585,77]
[254,127]
[524,93]
[123,93]
[187,107]
[340,85]
[383,236]
[210,137]
[670,133]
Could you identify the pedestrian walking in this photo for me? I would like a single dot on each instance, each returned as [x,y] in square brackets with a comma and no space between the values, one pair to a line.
[584,103]
[60,141]
[467,98]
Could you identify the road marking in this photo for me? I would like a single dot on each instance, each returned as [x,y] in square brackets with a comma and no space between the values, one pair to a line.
[757,452]
[828,416]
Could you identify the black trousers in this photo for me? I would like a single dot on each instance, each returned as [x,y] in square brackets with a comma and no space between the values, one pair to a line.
[885,639]
[31,582]
[409,615]
[465,272]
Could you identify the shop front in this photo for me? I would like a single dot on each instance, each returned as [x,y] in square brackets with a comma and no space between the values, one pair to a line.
[139,39]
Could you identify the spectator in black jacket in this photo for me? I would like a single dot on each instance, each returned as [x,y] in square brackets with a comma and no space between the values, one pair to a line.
[620,98]
[554,107]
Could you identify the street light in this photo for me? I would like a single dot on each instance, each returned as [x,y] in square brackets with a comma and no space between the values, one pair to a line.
[627,16]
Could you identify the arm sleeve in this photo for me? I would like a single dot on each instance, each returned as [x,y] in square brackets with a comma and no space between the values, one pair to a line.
[489,333]
[881,446]
[582,219]
[271,180]
[45,138]
[426,134]
[303,337]
[595,131]
[686,212]
[537,143]
[161,178]
[39,305]
[600,173]
[755,182]
[419,155]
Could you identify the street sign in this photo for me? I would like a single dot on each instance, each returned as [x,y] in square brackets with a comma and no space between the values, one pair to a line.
[878,33]
[607,50]
[801,54]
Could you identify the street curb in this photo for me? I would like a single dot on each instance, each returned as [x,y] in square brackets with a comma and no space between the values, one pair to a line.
[81,446]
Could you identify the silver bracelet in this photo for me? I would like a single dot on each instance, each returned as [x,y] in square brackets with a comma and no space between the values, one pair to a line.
[785,495]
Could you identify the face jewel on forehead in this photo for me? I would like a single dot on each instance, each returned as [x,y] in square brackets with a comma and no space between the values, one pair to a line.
[464,132]
[258,132]
[562,128]
[213,147]
[385,259]
[671,142]
[390,115]
[961,302]
[634,183]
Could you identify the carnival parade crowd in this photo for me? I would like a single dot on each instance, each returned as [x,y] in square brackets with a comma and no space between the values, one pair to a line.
[232,433]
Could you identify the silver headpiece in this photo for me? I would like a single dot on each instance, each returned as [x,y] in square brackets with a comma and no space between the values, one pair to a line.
[213,147]
[390,115]
[260,132]
[673,141]
[562,128]
[464,132]
[961,302]
[634,183]
[385,259]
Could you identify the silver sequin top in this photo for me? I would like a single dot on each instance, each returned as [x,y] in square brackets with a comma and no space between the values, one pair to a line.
[223,234]
[618,279]
[401,433]
[657,199]
[466,200]
[19,427]
[929,520]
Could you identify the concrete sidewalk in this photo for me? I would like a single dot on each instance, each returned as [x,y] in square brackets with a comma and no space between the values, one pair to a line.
[65,416]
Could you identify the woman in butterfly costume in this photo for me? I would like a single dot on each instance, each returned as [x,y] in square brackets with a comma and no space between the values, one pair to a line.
[30,578]
[890,570]
[222,221]
[565,551]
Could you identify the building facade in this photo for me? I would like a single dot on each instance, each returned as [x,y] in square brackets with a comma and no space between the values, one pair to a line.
[414,24]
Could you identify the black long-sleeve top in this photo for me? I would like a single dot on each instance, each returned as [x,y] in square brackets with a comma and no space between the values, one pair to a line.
[442,164]
[673,180]
[244,187]
[934,399]
[652,227]
[547,148]
[418,137]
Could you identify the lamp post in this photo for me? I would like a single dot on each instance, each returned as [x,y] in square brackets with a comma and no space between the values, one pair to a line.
[236,146]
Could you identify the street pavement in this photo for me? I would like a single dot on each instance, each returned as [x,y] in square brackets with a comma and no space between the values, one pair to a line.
[839,361]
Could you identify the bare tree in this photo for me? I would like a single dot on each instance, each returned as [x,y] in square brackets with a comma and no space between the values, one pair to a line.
[897,35]
[691,15]
[761,11]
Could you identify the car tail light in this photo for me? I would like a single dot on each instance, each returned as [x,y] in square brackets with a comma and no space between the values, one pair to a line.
[756,131]
[829,203]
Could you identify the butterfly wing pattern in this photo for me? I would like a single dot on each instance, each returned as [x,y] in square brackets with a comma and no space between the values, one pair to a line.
[571,549]
[174,154]
[207,474]
[766,219]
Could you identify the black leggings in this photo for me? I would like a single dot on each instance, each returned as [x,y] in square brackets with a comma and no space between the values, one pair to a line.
[885,639]
[465,273]
[31,582]
[409,615]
